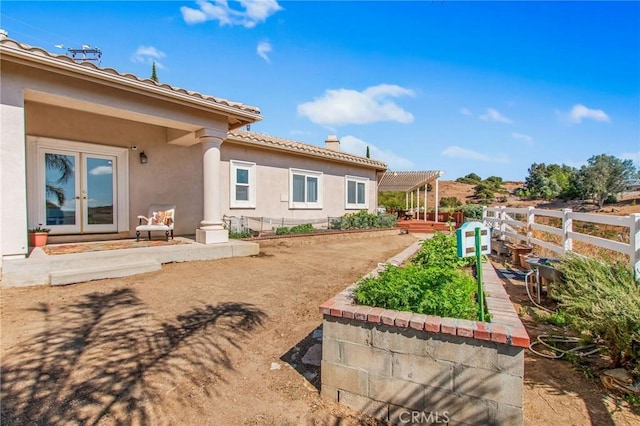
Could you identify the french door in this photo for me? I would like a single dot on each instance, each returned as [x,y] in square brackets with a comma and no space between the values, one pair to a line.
[78,191]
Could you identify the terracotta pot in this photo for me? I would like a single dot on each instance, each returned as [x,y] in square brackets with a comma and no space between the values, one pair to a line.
[38,239]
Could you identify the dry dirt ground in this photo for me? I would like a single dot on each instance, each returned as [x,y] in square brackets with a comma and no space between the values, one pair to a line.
[217,343]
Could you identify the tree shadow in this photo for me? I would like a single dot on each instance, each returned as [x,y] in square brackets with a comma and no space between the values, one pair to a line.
[104,356]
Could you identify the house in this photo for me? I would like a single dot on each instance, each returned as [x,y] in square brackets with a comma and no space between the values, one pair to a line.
[85,150]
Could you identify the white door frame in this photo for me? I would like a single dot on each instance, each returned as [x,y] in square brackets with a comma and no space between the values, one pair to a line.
[35,177]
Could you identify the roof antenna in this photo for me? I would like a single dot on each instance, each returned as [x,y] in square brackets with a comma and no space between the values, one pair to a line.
[86,53]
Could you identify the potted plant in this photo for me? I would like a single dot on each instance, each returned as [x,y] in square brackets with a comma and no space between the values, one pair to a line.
[38,236]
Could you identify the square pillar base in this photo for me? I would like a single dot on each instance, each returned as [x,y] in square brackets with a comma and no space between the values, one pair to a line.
[212,236]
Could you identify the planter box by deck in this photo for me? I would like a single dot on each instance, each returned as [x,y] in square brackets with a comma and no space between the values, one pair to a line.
[417,369]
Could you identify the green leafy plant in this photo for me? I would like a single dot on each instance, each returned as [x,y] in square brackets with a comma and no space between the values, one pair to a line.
[603,300]
[238,235]
[364,220]
[39,228]
[305,228]
[440,251]
[432,291]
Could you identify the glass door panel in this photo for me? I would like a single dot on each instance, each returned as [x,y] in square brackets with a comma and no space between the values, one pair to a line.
[99,193]
[61,189]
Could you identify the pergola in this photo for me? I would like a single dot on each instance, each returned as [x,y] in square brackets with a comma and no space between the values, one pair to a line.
[410,182]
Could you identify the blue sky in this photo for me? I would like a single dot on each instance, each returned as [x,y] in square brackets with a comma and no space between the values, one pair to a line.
[483,87]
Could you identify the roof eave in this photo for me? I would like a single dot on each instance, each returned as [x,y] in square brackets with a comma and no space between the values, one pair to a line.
[55,64]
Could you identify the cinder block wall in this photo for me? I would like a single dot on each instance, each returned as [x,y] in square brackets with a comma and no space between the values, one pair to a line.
[415,369]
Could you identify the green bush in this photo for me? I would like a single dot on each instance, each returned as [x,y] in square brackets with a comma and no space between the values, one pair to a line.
[432,291]
[364,220]
[305,228]
[472,211]
[603,300]
[238,235]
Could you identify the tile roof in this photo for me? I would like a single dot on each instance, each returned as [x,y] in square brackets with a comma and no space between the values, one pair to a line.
[407,181]
[260,139]
[40,52]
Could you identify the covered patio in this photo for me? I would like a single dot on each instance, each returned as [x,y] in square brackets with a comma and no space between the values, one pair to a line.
[413,183]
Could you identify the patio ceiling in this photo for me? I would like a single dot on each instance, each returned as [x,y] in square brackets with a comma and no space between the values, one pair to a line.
[407,181]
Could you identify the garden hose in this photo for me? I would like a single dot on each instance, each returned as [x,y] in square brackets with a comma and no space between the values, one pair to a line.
[526,285]
[547,339]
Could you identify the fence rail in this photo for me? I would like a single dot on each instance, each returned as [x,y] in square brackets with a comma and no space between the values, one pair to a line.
[501,221]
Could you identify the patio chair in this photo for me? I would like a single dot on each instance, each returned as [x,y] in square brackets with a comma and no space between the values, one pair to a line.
[161,217]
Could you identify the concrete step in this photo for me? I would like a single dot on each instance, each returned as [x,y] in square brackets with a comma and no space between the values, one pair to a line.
[102,271]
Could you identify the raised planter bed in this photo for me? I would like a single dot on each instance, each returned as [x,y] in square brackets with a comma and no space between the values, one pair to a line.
[404,367]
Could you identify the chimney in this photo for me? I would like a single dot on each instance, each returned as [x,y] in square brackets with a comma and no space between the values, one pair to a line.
[332,143]
[3,34]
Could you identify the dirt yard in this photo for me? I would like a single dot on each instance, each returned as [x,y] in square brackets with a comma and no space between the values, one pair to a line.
[217,343]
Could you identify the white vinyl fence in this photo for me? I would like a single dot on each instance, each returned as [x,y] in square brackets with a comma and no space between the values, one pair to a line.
[502,221]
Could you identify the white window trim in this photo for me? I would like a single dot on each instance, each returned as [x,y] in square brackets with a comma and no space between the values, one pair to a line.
[306,173]
[356,205]
[234,165]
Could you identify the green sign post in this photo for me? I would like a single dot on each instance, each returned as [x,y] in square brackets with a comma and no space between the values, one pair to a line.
[474,238]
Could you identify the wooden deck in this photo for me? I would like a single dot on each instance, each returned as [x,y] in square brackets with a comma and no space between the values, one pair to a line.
[422,227]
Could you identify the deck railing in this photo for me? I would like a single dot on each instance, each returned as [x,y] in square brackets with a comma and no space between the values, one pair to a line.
[504,223]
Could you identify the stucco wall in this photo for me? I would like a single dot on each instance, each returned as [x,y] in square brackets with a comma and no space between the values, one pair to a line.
[13,201]
[173,174]
[272,192]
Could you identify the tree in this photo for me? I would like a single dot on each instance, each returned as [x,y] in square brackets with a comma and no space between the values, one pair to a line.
[154,75]
[604,176]
[368,153]
[471,178]
[550,182]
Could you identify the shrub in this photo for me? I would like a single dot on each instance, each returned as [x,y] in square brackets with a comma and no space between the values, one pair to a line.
[431,291]
[364,220]
[305,228]
[603,299]
[472,211]
[241,234]
[450,202]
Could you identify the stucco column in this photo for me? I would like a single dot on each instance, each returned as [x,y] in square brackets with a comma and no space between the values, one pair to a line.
[211,227]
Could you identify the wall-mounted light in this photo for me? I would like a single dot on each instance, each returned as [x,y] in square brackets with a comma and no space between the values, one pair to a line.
[143,158]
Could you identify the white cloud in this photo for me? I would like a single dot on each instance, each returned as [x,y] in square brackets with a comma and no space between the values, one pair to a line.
[465,111]
[264,47]
[345,106]
[252,12]
[526,138]
[633,156]
[101,170]
[355,146]
[493,115]
[458,152]
[579,111]
[148,55]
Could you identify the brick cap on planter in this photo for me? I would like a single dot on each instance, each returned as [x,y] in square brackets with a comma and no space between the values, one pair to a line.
[505,328]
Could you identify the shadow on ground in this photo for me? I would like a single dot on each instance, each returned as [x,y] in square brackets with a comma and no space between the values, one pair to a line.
[105,357]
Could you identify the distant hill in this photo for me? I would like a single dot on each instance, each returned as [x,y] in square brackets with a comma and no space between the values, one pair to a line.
[464,192]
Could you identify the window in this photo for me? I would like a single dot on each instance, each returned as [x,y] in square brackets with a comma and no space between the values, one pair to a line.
[356,192]
[242,184]
[305,189]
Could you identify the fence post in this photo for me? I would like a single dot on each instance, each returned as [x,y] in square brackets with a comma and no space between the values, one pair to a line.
[567,226]
[503,226]
[634,242]
[530,221]
[484,214]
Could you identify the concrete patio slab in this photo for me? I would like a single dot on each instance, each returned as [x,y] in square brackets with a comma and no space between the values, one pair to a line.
[42,269]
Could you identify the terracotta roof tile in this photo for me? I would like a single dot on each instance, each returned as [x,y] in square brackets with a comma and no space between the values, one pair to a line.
[254,138]
[37,51]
